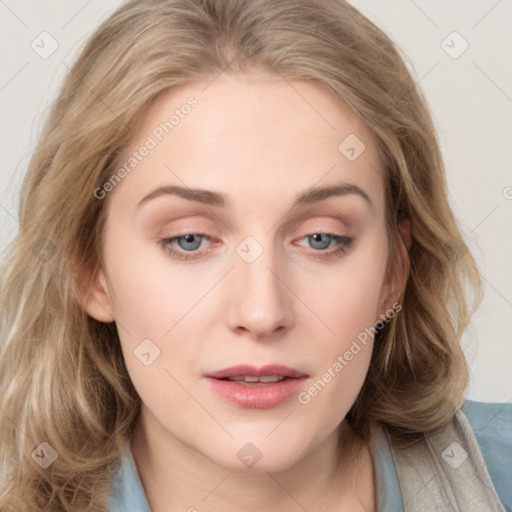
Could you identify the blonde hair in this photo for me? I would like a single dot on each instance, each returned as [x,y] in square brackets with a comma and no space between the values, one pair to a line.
[63,379]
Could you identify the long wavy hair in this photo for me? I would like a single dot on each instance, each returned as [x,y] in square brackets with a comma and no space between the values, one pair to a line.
[63,380]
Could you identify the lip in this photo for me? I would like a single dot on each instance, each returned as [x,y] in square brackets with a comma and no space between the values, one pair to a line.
[261,395]
[247,369]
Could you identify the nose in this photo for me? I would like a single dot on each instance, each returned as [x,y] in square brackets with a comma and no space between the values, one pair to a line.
[260,300]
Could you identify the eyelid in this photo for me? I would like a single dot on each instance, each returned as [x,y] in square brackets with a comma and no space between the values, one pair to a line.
[339,229]
[335,226]
[187,229]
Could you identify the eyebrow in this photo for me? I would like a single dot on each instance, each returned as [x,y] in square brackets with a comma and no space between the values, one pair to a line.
[211,198]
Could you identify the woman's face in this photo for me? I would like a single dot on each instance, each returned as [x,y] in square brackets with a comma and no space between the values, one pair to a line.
[246,263]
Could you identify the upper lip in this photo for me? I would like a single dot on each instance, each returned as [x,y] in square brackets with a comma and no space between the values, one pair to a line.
[256,371]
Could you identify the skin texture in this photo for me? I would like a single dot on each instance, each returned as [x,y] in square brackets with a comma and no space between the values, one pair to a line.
[261,143]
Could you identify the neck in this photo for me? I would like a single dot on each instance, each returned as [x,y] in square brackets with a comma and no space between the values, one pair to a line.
[176,477]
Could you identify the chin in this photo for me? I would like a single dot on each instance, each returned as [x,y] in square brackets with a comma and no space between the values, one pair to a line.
[272,463]
[258,454]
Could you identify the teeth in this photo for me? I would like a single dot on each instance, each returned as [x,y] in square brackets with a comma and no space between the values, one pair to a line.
[263,378]
[270,378]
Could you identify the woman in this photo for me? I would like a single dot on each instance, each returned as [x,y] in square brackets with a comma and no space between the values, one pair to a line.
[239,284]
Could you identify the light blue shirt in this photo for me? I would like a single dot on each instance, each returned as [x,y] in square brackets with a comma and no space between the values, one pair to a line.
[491,424]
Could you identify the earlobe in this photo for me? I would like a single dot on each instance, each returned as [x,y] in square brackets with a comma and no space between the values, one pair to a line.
[93,294]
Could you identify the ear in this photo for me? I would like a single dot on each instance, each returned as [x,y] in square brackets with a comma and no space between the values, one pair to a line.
[405,231]
[397,271]
[93,294]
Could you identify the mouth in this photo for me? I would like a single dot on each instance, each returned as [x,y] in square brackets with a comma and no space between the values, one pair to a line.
[254,387]
[253,374]
[250,380]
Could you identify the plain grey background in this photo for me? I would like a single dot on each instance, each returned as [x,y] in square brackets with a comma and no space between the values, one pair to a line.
[460,53]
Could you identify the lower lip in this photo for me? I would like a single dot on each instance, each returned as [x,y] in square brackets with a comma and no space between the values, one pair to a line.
[257,396]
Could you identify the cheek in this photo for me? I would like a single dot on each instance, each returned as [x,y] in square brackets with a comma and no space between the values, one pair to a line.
[150,293]
[347,304]
[347,297]
[343,352]
[155,320]
[155,305]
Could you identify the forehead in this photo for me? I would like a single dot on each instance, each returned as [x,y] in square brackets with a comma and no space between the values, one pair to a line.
[255,137]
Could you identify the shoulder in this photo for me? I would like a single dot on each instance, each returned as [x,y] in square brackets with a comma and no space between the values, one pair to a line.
[492,425]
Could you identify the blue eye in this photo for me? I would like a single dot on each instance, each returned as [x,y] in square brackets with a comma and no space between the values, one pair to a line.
[191,242]
[186,246]
[321,242]
[188,243]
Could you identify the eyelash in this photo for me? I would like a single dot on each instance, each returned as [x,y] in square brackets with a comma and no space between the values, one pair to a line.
[345,241]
